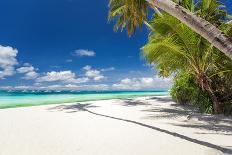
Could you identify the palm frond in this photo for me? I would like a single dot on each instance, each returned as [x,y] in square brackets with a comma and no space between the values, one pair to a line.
[129,14]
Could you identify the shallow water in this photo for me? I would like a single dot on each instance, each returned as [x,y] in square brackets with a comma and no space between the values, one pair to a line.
[19,98]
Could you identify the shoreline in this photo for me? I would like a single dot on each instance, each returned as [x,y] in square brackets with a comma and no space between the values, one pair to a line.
[75,100]
[142,125]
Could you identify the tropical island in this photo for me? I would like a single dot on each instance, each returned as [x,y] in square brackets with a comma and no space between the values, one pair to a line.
[176,100]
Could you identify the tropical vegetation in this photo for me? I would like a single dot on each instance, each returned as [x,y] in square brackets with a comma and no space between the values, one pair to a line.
[131,14]
[202,74]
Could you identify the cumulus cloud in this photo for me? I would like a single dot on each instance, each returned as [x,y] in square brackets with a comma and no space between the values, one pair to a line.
[78,87]
[79,80]
[64,76]
[87,67]
[84,53]
[22,87]
[29,71]
[6,87]
[143,83]
[7,61]
[93,73]
[70,82]
[59,87]
[57,76]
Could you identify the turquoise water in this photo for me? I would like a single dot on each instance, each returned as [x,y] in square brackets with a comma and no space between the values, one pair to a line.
[18,99]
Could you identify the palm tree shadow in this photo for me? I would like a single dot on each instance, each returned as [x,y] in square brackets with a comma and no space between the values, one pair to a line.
[85,107]
[204,121]
[72,108]
[162,99]
[132,103]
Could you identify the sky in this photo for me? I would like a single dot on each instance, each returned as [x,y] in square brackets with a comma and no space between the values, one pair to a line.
[69,44]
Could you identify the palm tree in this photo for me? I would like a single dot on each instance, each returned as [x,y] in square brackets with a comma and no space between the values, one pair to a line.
[133,13]
[175,47]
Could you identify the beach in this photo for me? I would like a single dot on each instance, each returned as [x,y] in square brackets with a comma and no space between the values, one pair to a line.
[138,126]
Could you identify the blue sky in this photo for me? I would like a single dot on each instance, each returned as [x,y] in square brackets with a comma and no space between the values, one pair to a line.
[57,44]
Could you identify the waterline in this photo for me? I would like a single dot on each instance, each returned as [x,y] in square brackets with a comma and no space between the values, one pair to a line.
[19,99]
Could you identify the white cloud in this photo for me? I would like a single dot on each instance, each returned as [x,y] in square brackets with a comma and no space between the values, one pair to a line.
[30,75]
[5,87]
[70,77]
[58,87]
[79,80]
[22,87]
[87,67]
[25,69]
[37,84]
[72,83]
[143,83]
[107,69]
[7,61]
[83,53]
[93,73]
[64,76]
[79,87]
[57,76]
[29,71]
[69,60]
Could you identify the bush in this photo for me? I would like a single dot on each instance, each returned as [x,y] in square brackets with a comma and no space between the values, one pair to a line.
[182,89]
[185,91]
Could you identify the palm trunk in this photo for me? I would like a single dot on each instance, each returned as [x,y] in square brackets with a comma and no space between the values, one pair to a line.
[217,108]
[205,85]
[208,31]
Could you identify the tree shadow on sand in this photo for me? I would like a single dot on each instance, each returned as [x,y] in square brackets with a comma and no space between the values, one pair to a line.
[202,121]
[218,123]
[162,99]
[159,112]
[132,103]
[72,108]
[85,108]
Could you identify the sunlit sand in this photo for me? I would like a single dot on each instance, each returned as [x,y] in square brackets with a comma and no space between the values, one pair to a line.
[140,126]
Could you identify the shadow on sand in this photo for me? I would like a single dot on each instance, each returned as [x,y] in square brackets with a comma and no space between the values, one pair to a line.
[132,103]
[202,121]
[162,99]
[84,107]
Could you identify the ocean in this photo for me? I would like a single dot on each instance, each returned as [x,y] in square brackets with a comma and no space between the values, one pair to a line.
[10,99]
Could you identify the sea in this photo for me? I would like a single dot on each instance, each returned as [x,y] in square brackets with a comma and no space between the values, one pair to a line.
[11,99]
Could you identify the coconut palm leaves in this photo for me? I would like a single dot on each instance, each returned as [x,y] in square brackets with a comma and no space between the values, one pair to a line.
[129,13]
[212,10]
[187,4]
[175,48]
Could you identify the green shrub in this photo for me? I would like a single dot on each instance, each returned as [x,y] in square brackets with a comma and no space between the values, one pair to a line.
[185,91]
[182,89]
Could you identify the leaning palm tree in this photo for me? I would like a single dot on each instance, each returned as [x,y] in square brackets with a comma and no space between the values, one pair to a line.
[133,13]
[174,47]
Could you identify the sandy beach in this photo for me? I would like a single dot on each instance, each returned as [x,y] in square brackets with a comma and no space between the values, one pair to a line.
[139,126]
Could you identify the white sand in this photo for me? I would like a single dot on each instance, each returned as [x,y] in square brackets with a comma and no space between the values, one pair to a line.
[142,126]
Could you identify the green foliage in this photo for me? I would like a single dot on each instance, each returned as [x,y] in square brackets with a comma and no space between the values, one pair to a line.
[211,10]
[182,88]
[188,4]
[185,91]
[203,74]
[173,47]
[128,14]
[177,50]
